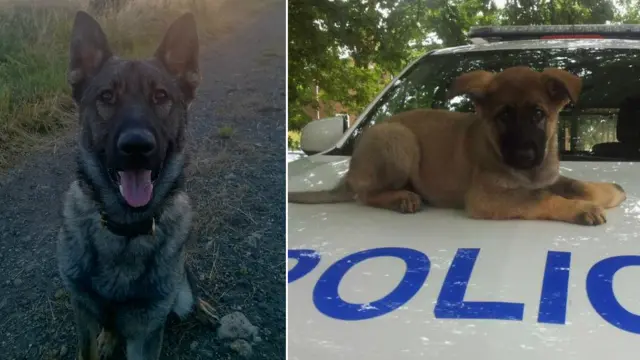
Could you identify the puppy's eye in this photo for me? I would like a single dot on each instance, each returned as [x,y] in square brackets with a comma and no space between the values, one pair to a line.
[539,115]
[107,96]
[503,116]
[160,96]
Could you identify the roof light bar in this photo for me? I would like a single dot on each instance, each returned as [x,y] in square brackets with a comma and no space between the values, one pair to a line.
[529,32]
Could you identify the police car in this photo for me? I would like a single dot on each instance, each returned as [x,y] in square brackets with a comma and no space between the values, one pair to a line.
[374,284]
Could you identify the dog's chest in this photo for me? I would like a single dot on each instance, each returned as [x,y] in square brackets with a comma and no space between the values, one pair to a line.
[115,268]
[110,273]
[131,268]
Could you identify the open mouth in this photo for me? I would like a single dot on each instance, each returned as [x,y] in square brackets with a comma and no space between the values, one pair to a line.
[136,186]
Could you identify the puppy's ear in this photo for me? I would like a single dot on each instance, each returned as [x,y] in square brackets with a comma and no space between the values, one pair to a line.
[179,52]
[561,85]
[472,84]
[88,52]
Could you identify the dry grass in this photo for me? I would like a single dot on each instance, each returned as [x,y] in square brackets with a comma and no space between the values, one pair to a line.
[35,105]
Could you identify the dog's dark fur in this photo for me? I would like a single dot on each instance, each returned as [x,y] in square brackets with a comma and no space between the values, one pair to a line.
[500,163]
[124,265]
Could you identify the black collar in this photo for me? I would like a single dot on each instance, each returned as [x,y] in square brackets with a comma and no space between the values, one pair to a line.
[130,230]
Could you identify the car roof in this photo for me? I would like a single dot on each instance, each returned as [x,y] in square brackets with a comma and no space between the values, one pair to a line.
[542,44]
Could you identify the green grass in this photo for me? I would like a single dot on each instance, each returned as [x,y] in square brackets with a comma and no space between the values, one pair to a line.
[225,132]
[35,104]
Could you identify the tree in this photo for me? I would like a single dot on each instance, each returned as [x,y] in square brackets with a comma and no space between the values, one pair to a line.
[557,12]
[630,13]
[451,19]
[346,46]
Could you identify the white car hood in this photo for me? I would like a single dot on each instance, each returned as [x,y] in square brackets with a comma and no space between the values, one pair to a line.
[513,259]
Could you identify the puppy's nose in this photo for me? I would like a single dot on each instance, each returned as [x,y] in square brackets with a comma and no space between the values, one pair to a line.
[136,142]
[525,155]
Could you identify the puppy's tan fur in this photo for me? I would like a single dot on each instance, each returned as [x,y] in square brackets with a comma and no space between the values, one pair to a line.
[454,160]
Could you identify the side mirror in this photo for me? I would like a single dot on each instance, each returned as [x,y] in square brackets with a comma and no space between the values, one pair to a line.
[320,135]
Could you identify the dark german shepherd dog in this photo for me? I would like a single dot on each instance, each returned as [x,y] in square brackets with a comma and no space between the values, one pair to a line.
[126,217]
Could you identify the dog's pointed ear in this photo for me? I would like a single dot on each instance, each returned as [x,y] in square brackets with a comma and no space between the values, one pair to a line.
[179,52]
[562,85]
[472,84]
[88,51]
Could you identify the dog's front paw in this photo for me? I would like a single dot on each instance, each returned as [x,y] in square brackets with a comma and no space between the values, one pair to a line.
[607,195]
[409,202]
[590,214]
[107,343]
[618,195]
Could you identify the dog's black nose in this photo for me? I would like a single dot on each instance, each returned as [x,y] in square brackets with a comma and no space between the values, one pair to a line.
[525,155]
[136,142]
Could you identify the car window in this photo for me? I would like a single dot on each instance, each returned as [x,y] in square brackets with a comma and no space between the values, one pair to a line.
[601,126]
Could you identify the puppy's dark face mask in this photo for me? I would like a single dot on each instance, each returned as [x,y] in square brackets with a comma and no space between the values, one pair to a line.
[520,107]
[522,134]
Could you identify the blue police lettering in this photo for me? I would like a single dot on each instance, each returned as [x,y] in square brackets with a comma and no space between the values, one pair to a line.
[555,288]
[451,304]
[307,261]
[329,302]
[602,297]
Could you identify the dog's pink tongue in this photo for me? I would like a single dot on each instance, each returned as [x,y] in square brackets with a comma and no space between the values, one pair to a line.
[136,187]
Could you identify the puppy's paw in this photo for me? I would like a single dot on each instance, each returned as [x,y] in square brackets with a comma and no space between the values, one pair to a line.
[618,195]
[107,343]
[409,202]
[589,214]
[607,195]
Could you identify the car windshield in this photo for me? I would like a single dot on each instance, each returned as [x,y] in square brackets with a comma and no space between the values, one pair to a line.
[602,126]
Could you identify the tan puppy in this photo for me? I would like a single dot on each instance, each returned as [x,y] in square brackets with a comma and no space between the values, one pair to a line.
[500,163]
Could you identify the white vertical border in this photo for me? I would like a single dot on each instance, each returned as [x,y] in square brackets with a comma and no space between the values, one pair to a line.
[286,196]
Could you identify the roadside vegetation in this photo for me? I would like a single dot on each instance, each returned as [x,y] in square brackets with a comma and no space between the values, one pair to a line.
[35,104]
[293,140]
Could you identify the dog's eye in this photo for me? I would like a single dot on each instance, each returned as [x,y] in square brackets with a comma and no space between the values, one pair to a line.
[107,96]
[160,96]
[504,116]
[539,115]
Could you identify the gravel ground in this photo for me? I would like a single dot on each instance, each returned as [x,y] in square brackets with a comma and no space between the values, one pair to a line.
[237,182]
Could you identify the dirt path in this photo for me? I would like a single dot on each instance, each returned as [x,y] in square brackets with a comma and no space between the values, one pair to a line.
[236,183]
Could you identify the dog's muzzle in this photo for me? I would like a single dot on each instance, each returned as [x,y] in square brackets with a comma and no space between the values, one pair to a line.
[136,143]
[523,156]
[136,165]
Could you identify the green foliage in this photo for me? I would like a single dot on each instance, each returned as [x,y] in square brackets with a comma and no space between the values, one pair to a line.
[379,36]
[558,12]
[450,19]
[293,140]
[631,15]
[349,48]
